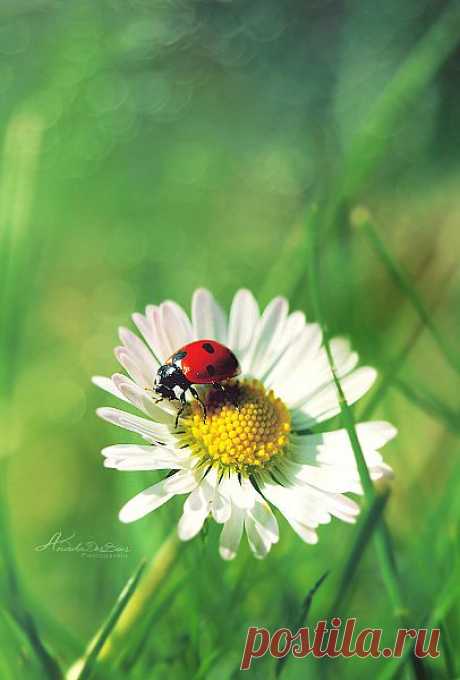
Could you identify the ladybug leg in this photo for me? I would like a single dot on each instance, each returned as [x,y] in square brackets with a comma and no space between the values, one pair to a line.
[227,390]
[232,393]
[234,398]
[183,404]
[218,386]
[197,397]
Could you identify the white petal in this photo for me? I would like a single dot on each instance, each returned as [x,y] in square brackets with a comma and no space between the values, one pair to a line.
[108,385]
[136,457]
[295,324]
[262,514]
[208,318]
[306,533]
[141,463]
[289,373]
[230,537]
[242,494]
[181,482]
[190,524]
[176,325]
[146,328]
[291,330]
[220,507]
[146,428]
[334,479]
[297,503]
[197,501]
[334,448]
[138,350]
[267,336]
[325,404]
[194,514]
[164,346]
[307,504]
[148,500]
[134,367]
[244,316]
[143,400]
[313,373]
[257,538]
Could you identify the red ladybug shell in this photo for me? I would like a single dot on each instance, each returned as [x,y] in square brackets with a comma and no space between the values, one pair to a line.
[205,361]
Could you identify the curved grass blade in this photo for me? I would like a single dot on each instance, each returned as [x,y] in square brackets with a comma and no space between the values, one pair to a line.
[396,364]
[449,652]
[128,660]
[304,611]
[449,595]
[362,219]
[383,542]
[429,403]
[13,596]
[289,267]
[364,533]
[157,572]
[409,82]
[132,607]
[85,667]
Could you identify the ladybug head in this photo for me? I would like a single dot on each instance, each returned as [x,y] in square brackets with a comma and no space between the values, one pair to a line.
[170,382]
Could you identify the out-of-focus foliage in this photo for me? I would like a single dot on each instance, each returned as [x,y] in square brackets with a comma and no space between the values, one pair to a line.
[150,147]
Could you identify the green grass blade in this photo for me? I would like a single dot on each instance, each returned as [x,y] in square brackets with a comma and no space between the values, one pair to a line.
[289,268]
[207,664]
[413,76]
[370,144]
[362,219]
[144,629]
[18,176]
[449,651]
[366,482]
[429,403]
[383,542]
[303,614]
[85,667]
[365,531]
[397,363]
[136,606]
[19,169]
[449,595]
[47,660]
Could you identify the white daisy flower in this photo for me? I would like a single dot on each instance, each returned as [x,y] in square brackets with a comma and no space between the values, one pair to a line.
[256,448]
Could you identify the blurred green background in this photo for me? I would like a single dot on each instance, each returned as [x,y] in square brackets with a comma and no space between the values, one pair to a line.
[148,148]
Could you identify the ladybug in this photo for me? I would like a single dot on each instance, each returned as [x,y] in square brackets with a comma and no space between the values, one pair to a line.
[202,362]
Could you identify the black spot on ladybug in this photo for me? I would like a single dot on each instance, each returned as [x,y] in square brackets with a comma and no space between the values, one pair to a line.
[208,347]
[210,369]
[178,356]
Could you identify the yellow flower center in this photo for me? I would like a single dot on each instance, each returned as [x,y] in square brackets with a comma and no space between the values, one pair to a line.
[246,426]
